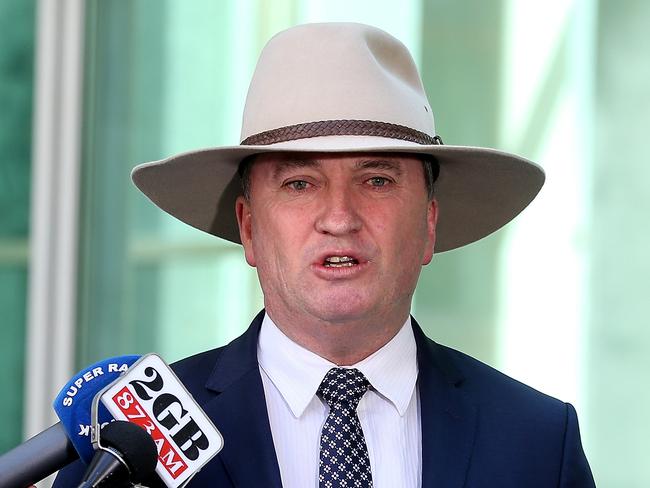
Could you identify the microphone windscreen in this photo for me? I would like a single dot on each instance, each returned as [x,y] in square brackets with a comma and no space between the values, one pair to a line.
[73,405]
[136,447]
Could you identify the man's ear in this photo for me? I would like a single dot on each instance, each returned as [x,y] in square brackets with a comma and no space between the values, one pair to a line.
[432,220]
[243,212]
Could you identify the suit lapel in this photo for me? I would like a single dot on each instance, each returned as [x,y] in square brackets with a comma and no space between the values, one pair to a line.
[449,419]
[239,412]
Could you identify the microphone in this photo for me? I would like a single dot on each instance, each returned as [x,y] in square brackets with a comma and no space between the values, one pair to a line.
[127,454]
[68,439]
[37,458]
[151,395]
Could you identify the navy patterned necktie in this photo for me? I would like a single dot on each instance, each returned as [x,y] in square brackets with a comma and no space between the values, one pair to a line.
[344,460]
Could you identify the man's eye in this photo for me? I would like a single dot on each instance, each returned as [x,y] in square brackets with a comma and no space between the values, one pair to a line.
[298,185]
[378,181]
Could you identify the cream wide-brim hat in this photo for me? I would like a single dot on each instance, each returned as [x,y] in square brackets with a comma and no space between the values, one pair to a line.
[342,87]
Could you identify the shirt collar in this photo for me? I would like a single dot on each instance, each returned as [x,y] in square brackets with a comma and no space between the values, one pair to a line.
[297,372]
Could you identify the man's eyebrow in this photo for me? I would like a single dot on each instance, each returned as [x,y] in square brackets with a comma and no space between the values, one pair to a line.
[288,164]
[380,164]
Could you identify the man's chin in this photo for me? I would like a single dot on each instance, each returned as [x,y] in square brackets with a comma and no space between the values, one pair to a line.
[341,310]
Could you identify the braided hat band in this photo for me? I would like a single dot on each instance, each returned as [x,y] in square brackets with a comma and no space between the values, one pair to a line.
[342,127]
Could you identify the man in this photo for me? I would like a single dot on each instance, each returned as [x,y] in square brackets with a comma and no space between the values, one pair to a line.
[339,193]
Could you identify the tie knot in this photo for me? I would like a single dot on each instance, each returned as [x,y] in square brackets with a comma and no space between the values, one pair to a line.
[342,385]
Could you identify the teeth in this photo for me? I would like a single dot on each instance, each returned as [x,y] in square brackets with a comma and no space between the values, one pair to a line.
[339,265]
[339,261]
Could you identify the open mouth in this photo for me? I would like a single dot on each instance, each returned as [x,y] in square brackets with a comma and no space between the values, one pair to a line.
[339,262]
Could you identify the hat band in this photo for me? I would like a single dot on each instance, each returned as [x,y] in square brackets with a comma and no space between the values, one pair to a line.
[340,128]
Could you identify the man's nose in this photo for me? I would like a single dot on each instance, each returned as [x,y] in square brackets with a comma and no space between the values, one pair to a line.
[338,215]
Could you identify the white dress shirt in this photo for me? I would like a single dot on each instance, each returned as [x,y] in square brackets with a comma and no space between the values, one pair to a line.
[389,412]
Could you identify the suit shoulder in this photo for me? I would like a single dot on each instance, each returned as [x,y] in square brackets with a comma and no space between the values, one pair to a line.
[194,372]
[490,387]
[523,436]
[197,363]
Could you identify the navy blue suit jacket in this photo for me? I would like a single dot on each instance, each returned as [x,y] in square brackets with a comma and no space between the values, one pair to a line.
[480,428]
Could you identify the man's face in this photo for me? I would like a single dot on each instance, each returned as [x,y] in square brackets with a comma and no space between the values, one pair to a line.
[337,237]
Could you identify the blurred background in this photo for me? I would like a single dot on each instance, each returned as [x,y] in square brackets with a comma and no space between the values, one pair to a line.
[89,268]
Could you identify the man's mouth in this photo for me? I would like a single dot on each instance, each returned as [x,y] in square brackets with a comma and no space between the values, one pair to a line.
[339,262]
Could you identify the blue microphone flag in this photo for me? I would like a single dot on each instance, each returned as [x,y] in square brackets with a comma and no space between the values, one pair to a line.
[73,405]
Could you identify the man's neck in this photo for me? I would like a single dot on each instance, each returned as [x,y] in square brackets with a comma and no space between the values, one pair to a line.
[343,343]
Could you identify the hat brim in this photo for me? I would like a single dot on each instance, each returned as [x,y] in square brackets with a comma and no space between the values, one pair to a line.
[479,190]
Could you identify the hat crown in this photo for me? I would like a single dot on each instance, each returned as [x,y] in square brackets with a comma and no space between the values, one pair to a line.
[335,71]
